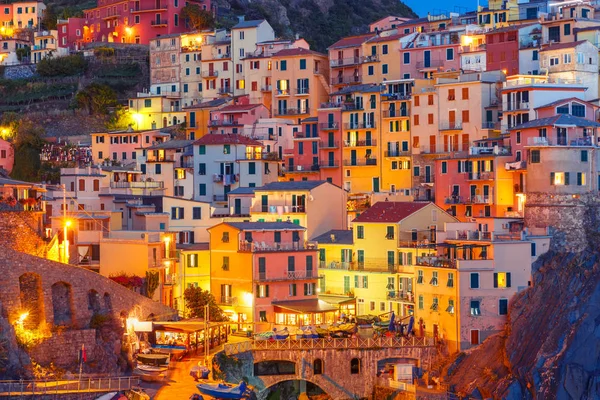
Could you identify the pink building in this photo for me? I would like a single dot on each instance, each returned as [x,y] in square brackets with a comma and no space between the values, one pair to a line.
[345,59]
[231,119]
[121,146]
[7,156]
[389,22]
[137,21]
[429,53]
[70,33]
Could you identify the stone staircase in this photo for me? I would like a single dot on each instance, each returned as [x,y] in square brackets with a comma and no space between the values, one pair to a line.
[324,82]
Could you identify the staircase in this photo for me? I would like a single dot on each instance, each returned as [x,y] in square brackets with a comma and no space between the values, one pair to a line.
[324,82]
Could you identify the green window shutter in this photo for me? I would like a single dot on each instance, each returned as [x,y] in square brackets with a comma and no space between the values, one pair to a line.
[401,258]
[508,279]
[355,281]
[551,178]
[305,289]
[495,279]
[365,282]
[566,178]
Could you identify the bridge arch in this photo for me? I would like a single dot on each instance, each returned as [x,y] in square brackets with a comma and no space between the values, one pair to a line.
[304,385]
[62,303]
[31,296]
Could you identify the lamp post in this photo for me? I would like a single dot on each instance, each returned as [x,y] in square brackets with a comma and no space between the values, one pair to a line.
[67,224]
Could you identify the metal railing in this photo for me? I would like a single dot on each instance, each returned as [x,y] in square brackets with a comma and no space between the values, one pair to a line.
[210,74]
[328,343]
[480,176]
[159,22]
[522,105]
[292,111]
[395,113]
[369,59]
[340,62]
[341,80]
[223,122]
[329,164]
[396,153]
[225,90]
[289,276]
[369,162]
[401,296]
[328,125]
[301,169]
[436,261]
[450,125]
[429,64]
[303,90]
[261,247]
[360,143]
[137,185]
[359,125]
[53,387]
[228,300]
[330,144]
[266,88]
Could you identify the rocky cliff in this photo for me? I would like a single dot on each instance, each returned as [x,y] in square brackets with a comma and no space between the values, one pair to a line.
[320,22]
[551,345]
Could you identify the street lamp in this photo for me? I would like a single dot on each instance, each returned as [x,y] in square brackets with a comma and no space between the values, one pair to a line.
[67,224]
[138,119]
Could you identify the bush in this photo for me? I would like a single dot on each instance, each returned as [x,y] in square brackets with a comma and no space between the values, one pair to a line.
[62,66]
[104,52]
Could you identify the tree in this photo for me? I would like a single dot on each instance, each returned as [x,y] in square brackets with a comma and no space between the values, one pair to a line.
[28,143]
[50,17]
[120,119]
[96,98]
[152,282]
[197,18]
[196,299]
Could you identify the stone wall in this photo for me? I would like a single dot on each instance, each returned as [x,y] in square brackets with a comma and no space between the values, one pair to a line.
[117,299]
[19,71]
[21,231]
[62,349]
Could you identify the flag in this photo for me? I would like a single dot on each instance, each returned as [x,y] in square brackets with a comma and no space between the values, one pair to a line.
[82,356]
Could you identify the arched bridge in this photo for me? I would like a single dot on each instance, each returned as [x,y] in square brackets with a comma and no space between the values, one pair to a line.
[343,368]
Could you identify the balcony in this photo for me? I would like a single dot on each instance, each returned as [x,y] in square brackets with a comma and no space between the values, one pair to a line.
[368,162]
[266,88]
[395,96]
[396,153]
[405,297]
[346,80]
[228,179]
[375,265]
[330,105]
[490,125]
[517,106]
[224,122]
[360,143]
[584,141]
[455,200]
[149,8]
[220,197]
[352,106]
[282,92]
[359,125]
[165,158]
[279,209]
[288,276]
[342,62]
[480,199]
[137,185]
[436,261]
[111,16]
[292,111]
[228,300]
[159,23]
[417,238]
[302,91]
[254,156]
[496,151]
[429,64]
[395,113]
[171,255]
[480,176]
[302,169]
[262,247]
[210,74]
[330,144]
[485,236]
[329,126]
[369,59]
[450,126]
[329,164]
[225,90]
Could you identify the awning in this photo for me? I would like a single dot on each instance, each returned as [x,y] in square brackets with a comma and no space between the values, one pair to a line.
[303,306]
[337,300]
[184,326]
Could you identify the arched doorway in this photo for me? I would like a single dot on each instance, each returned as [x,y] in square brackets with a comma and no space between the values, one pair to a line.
[290,389]
[32,299]
[62,303]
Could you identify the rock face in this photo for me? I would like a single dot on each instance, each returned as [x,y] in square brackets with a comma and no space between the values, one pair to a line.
[320,22]
[551,347]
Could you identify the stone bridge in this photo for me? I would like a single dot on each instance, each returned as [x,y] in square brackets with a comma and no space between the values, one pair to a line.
[343,368]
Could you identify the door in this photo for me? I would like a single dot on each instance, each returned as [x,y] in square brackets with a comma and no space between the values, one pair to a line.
[264,203]
[451,119]
[376,185]
[368,138]
[330,139]
[475,336]
[353,157]
[360,258]
[330,159]
[330,121]
[561,136]
[428,178]
[237,207]
[486,193]
[427,59]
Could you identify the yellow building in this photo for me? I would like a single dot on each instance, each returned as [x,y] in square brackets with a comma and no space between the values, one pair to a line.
[375,261]
[380,60]
[150,111]
[193,271]
[198,117]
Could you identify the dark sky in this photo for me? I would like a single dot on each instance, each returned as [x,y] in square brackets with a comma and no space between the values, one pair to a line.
[422,7]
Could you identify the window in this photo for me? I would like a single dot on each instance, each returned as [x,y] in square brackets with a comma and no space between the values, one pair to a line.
[474,280]
[225,237]
[444,167]
[535,55]
[420,277]
[430,119]
[381,306]
[225,265]
[360,232]
[584,156]
[201,169]
[451,95]
[371,70]
[202,189]
[435,304]
[277,237]
[389,233]
[559,178]
[567,29]
[384,49]
[365,282]
[533,250]
[554,61]
[227,149]
[197,213]
[434,279]
[262,315]
[450,308]
[292,289]
[158,169]
[416,120]
[177,213]
[535,156]
[450,282]
[566,59]
[501,279]
[148,103]
[502,306]
[252,168]
[416,99]
[430,100]
[450,54]
[580,179]
[202,149]
[283,65]
[465,115]
[355,366]
[465,93]
[474,336]
[577,110]
[384,69]
[475,310]
[317,366]
[421,302]
[302,63]
[518,137]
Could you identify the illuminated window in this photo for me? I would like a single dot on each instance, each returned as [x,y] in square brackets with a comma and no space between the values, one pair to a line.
[269,65]
[558,178]
[502,279]
[242,84]
[180,174]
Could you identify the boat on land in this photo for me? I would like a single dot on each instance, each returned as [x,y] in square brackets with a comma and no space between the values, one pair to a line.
[149,375]
[224,390]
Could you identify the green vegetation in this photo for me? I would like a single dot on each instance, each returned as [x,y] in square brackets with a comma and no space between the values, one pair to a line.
[27,139]
[62,66]
[152,282]
[197,18]
[196,299]
[96,98]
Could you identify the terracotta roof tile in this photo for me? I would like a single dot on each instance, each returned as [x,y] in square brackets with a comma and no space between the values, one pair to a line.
[299,51]
[215,139]
[390,211]
[239,107]
[559,46]
[352,41]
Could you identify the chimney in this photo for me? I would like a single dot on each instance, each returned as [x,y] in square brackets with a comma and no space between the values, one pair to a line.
[333,238]
[241,18]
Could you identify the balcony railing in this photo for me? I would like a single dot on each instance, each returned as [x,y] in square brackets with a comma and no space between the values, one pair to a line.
[220,197]
[369,59]
[266,88]
[421,238]
[560,141]
[330,144]
[292,111]
[149,7]
[360,143]
[436,261]
[302,169]
[429,64]
[303,90]
[480,176]
[455,200]
[406,297]
[395,113]
[279,209]
[288,276]
[450,126]
[262,246]
[329,164]
[210,74]
[480,199]
[496,150]
[228,179]
[345,80]
[282,92]
[225,90]
[223,122]
[340,62]
[136,185]
[162,22]
[359,125]
[517,106]
[329,126]
[396,153]
[395,96]
[166,158]
[254,156]
[369,162]
[228,300]
[490,125]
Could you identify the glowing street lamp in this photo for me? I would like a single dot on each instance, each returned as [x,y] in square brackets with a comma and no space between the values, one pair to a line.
[67,224]
[138,120]
[22,318]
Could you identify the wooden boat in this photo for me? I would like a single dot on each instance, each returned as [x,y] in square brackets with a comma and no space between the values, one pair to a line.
[153,359]
[149,376]
[151,368]
[225,390]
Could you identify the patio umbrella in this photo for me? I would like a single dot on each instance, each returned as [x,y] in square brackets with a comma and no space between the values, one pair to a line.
[411,323]
[392,326]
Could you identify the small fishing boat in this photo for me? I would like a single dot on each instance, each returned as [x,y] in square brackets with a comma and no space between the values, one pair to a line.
[153,359]
[225,390]
[151,368]
[309,332]
[281,334]
[148,376]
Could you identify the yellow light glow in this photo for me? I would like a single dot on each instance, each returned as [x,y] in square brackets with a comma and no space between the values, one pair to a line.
[137,117]
[23,317]
[505,71]
[128,30]
[68,223]
[167,239]
[466,40]
[248,298]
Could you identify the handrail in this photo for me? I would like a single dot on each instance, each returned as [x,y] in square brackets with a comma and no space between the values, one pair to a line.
[38,387]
